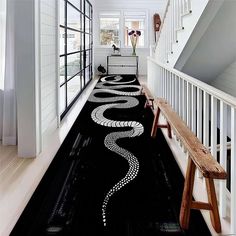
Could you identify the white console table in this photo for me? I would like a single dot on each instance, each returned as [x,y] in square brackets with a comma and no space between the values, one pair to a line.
[122,65]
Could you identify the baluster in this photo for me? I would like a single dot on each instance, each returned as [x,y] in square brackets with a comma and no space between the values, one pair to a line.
[199,120]
[213,127]
[173,24]
[159,82]
[176,79]
[233,171]
[180,97]
[168,33]
[170,29]
[180,13]
[188,105]
[166,79]
[194,99]
[206,119]
[165,84]
[184,100]
[177,14]
[223,153]
[162,82]
[170,98]
[189,5]
[168,86]
[173,91]
[182,7]
[176,19]
[166,44]
[199,114]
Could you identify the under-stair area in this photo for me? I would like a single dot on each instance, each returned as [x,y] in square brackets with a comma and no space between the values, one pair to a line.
[192,67]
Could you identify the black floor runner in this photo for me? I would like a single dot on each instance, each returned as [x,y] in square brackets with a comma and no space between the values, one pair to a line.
[69,199]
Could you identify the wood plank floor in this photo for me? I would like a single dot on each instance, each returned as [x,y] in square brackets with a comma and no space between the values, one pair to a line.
[19,177]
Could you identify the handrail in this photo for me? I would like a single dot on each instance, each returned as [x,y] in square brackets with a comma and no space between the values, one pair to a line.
[162,23]
[217,93]
[211,115]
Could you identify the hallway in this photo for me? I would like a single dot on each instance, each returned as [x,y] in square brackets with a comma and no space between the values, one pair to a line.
[69,199]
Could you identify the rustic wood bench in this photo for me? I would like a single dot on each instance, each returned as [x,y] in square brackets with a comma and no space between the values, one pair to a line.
[149,97]
[198,157]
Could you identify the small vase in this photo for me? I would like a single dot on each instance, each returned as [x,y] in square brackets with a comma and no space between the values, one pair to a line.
[134,52]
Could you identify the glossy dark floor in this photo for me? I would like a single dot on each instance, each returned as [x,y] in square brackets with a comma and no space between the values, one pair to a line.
[69,199]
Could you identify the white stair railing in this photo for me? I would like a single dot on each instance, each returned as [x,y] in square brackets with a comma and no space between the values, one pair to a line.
[211,115]
[172,22]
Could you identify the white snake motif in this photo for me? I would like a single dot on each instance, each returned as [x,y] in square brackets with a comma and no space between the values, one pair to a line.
[110,86]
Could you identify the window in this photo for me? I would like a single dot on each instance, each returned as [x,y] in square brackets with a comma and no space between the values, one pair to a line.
[109,28]
[109,31]
[75,50]
[114,30]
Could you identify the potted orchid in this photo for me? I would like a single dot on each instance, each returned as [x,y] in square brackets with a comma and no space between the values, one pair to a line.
[134,35]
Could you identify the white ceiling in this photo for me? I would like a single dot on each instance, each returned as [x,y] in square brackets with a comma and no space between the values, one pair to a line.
[157,4]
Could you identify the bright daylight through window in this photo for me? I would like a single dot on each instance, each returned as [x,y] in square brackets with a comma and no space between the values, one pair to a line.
[75,50]
[109,33]
[134,24]
[113,30]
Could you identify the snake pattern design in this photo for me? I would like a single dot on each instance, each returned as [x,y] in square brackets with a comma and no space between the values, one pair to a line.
[124,100]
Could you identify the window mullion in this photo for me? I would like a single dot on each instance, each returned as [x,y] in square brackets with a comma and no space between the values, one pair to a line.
[121,31]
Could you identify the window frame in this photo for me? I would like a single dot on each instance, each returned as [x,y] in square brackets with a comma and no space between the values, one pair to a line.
[83,67]
[144,30]
[102,14]
[122,17]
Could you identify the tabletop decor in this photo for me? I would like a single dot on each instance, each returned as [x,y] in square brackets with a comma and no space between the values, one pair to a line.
[134,35]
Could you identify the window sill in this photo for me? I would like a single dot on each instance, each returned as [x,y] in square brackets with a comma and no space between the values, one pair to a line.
[122,48]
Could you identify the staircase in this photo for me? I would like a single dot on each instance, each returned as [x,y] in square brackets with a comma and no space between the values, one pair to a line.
[208,112]
[181,17]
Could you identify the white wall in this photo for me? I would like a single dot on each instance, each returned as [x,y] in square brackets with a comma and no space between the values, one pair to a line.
[151,6]
[226,80]
[1,112]
[2,41]
[2,57]
[24,46]
[48,65]
[216,49]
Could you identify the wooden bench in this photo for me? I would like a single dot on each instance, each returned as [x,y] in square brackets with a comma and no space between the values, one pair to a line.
[149,97]
[199,157]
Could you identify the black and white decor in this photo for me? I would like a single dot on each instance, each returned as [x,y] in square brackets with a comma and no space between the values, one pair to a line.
[110,172]
[123,101]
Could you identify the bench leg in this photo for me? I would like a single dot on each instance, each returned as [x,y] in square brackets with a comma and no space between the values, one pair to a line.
[155,123]
[169,130]
[187,195]
[149,103]
[214,212]
[188,203]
